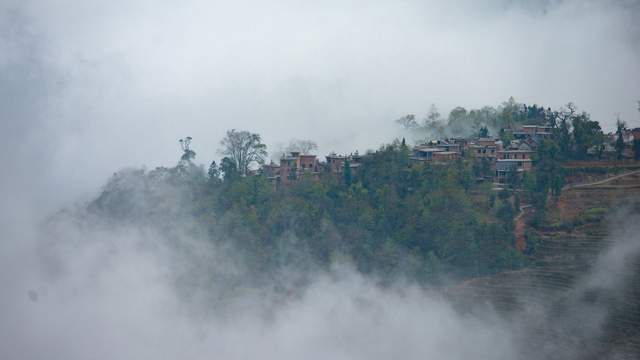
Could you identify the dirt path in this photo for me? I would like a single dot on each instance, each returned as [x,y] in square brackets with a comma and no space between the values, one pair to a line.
[600,182]
[520,226]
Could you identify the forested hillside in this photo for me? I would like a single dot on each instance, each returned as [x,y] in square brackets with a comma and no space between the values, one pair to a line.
[391,218]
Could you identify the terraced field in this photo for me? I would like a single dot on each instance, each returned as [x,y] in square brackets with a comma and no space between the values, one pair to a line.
[580,296]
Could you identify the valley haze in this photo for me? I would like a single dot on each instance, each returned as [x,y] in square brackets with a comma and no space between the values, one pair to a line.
[92,88]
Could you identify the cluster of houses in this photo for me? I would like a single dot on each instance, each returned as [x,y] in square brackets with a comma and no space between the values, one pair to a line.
[296,166]
[505,160]
[513,158]
[628,137]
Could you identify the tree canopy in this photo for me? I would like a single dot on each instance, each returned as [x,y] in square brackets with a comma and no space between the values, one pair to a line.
[243,148]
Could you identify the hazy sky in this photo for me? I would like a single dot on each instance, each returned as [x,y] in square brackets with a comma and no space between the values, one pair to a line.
[91,86]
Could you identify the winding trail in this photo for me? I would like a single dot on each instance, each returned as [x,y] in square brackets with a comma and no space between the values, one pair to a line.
[520,226]
[600,182]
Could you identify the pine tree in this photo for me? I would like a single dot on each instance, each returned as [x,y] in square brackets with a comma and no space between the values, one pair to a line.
[214,172]
[565,138]
[347,173]
[620,127]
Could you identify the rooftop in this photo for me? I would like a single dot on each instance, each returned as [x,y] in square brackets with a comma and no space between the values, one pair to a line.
[512,160]
[447,152]
[427,149]
[481,146]
[516,151]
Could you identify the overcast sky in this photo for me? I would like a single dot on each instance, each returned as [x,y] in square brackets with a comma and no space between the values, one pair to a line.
[91,86]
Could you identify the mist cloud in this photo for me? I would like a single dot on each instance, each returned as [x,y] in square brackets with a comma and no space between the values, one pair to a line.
[119,293]
[86,287]
[88,87]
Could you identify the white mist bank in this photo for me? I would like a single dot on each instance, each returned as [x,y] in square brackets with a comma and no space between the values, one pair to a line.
[91,86]
[78,289]
[90,292]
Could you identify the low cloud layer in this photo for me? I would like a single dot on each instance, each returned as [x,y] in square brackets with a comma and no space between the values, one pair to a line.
[83,287]
[89,291]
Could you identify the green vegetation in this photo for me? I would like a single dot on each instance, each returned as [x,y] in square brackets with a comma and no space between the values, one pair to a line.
[388,216]
[620,127]
[484,121]
[592,215]
[589,216]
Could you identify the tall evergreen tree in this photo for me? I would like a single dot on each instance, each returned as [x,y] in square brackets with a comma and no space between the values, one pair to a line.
[228,169]
[213,173]
[586,135]
[347,173]
[620,128]
[564,138]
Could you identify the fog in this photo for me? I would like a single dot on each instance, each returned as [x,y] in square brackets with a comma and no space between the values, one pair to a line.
[118,301]
[79,286]
[89,87]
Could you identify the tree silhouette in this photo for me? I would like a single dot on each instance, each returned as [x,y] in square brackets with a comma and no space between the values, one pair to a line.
[244,149]
[187,153]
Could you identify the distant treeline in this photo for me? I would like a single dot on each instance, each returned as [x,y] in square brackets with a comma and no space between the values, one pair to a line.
[390,218]
[462,122]
[576,134]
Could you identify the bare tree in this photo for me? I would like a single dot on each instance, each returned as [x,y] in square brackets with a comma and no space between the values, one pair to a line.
[304,147]
[433,123]
[433,115]
[187,153]
[408,122]
[244,149]
[566,113]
